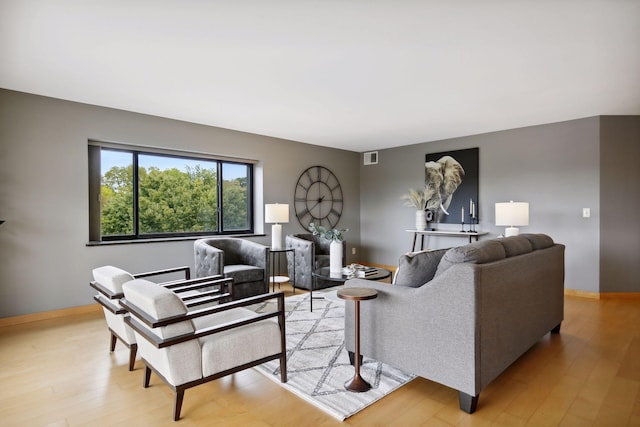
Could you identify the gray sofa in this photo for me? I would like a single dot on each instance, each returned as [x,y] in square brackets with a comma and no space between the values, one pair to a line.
[246,262]
[461,316]
[311,253]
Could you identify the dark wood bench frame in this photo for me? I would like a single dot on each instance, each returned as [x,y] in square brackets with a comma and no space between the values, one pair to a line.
[105,298]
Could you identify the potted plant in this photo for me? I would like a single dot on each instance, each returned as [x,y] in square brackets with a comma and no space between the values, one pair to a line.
[335,249]
[333,234]
[418,199]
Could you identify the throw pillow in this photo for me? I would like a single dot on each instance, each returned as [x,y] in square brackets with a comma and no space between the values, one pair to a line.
[417,268]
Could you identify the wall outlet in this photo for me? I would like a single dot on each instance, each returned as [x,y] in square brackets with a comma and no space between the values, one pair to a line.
[586,212]
[353,251]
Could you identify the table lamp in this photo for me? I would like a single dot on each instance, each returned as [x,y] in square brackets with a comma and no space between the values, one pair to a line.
[512,214]
[277,214]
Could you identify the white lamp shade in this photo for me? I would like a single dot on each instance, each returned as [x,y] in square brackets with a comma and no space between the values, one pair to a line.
[511,214]
[276,213]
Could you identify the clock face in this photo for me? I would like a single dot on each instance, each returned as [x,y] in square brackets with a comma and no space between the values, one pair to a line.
[318,198]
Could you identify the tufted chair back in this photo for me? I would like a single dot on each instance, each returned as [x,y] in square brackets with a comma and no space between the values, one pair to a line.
[311,253]
[245,261]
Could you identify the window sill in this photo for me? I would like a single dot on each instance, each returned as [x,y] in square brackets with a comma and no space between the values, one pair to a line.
[167,239]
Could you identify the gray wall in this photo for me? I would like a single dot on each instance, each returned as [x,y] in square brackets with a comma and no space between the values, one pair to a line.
[554,167]
[558,168]
[44,260]
[620,204]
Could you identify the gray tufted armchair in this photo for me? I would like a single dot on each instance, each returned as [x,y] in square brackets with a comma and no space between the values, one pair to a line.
[311,252]
[246,262]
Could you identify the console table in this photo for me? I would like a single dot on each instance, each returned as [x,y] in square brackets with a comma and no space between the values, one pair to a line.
[422,233]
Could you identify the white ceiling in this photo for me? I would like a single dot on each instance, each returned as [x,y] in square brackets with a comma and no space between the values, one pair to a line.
[358,75]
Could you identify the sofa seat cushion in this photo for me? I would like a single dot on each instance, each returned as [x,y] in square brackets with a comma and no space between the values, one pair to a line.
[241,273]
[237,346]
[475,253]
[417,268]
[516,245]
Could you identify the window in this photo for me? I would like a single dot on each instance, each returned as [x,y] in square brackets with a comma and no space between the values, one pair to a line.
[139,195]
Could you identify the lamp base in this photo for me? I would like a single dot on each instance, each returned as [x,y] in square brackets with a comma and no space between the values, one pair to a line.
[276,236]
[511,231]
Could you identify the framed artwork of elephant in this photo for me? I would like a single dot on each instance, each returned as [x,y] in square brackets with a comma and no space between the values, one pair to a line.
[451,180]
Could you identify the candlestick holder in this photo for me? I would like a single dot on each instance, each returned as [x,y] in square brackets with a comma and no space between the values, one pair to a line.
[472,224]
[462,225]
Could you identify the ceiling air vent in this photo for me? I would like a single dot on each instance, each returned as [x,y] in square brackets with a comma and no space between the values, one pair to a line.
[371,158]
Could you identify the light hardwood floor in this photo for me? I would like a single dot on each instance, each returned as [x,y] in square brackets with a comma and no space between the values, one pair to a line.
[59,372]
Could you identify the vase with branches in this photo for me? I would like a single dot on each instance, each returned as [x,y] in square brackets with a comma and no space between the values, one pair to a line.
[329,234]
[335,249]
[418,199]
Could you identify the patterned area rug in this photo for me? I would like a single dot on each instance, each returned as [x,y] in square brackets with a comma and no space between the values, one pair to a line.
[318,363]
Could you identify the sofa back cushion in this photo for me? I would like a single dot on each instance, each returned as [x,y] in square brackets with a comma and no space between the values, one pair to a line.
[539,241]
[516,245]
[474,253]
[417,268]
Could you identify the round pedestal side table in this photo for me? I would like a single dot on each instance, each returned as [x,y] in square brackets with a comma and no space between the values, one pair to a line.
[356,295]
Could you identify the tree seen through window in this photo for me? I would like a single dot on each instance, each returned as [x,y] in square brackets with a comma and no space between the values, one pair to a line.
[175,195]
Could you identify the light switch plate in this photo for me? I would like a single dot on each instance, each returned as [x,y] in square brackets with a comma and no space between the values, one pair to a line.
[586,212]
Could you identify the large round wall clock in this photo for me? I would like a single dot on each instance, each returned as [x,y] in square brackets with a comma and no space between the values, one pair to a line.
[318,198]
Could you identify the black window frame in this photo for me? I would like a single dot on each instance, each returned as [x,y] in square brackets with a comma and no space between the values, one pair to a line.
[95,182]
